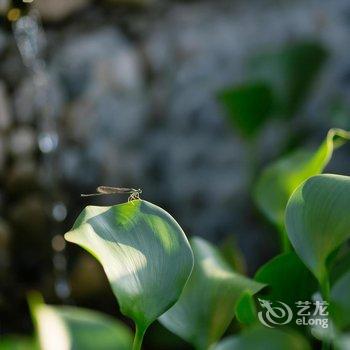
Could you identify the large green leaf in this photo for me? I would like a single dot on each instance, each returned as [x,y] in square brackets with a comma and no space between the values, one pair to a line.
[263,338]
[290,71]
[278,181]
[18,342]
[282,274]
[206,306]
[318,220]
[144,252]
[68,328]
[248,106]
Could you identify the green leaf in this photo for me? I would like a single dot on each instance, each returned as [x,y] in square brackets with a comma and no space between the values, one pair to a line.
[282,274]
[233,254]
[340,266]
[318,221]
[340,301]
[263,338]
[290,71]
[67,327]
[144,252]
[342,342]
[206,306]
[17,342]
[278,181]
[248,106]
[245,310]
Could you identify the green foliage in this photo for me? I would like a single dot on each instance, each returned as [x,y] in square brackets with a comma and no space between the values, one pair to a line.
[206,306]
[278,181]
[280,82]
[340,301]
[282,274]
[18,342]
[149,262]
[248,106]
[245,310]
[317,221]
[144,252]
[340,266]
[68,328]
[342,342]
[263,338]
[291,72]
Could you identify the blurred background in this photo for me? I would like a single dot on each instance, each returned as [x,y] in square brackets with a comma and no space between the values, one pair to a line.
[188,100]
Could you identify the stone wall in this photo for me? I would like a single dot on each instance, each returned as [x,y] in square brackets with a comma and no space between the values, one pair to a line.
[134,91]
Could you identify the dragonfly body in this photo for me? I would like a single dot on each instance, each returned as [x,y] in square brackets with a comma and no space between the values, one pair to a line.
[102,190]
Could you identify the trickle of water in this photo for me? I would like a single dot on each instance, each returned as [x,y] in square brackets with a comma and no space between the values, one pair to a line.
[31,42]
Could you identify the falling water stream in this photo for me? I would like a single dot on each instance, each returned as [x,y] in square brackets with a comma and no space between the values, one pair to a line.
[31,42]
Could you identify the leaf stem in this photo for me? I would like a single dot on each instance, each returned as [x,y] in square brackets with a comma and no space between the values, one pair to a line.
[285,244]
[139,334]
[325,288]
[325,291]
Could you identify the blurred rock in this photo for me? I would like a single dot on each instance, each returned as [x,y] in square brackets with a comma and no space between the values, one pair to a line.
[3,152]
[22,142]
[132,2]
[29,218]
[4,235]
[51,10]
[5,116]
[4,6]
[22,177]
[4,246]
[100,59]
[31,100]
[108,114]
[87,278]
[3,39]
[12,69]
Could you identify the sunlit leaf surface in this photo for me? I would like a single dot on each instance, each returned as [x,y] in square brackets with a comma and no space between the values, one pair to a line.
[206,306]
[68,328]
[278,181]
[318,220]
[144,252]
[263,338]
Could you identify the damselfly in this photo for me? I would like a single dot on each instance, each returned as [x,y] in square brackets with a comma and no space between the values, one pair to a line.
[102,190]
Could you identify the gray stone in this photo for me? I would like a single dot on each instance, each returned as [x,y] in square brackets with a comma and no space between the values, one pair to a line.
[22,141]
[4,6]
[99,59]
[5,116]
[51,10]
[3,151]
[32,100]
[3,40]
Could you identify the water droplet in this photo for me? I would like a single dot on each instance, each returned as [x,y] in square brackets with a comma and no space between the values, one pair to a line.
[59,211]
[58,243]
[62,288]
[48,142]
